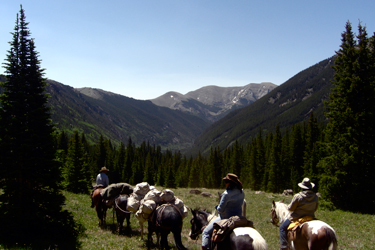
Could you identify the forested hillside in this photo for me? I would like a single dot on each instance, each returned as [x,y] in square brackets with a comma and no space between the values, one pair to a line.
[96,112]
[288,104]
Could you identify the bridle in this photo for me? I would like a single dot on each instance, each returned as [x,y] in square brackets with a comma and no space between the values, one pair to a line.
[274,218]
[196,234]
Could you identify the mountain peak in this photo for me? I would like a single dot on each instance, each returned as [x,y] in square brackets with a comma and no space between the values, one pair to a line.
[213,102]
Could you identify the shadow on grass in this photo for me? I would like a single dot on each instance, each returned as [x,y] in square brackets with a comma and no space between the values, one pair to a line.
[33,233]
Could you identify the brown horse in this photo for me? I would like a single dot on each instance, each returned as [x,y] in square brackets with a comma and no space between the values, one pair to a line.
[100,206]
[311,235]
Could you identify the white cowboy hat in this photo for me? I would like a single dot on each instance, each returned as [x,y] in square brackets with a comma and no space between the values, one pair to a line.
[306,184]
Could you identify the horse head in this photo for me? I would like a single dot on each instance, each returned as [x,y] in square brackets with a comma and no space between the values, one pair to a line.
[279,212]
[198,222]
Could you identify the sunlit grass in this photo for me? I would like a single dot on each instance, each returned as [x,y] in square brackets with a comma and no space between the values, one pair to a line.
[355,231]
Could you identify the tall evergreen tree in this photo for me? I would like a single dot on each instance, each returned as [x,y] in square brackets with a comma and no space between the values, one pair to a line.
[76,169]
[31,203]
[348,169]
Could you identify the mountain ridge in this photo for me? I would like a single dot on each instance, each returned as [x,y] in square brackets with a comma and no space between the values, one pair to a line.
[213,102]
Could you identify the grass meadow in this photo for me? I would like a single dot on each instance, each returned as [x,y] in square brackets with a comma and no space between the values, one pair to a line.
[355,231]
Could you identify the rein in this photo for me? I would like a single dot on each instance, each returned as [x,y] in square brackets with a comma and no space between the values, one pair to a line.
[202,229]
[274,219]
[127,212]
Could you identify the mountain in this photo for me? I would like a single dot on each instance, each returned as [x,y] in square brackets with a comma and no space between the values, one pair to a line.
[287,104]
[213,102]
[97,112]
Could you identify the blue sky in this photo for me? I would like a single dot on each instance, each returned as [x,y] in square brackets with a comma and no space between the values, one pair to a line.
[145,48]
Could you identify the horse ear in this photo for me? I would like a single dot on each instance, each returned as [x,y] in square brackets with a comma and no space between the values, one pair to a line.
[193,212]
[282,201]
[273,203]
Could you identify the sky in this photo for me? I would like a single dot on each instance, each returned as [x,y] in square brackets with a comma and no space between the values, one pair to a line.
[146,48]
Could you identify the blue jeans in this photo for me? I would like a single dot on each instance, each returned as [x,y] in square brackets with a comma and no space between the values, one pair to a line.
[283,231]
[207,233]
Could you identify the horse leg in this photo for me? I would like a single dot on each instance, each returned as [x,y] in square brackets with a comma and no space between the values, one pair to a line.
[141,225]
[99,213]
[127,216]
[149,235]
[177,238]
[164,240]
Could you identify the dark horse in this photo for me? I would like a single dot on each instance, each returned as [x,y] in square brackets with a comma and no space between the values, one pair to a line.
[311,235]
[240,238]
[121,212]
[163,220]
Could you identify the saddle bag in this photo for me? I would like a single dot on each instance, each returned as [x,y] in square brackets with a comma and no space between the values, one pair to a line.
[224,227]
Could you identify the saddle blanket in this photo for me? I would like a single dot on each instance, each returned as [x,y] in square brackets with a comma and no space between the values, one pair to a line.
[300,221]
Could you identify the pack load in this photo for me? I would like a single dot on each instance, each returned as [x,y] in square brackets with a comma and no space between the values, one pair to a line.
[143,203]
[140,190]
[115,189]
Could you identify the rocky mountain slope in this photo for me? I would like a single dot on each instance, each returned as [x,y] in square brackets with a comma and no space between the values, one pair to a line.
[213,102]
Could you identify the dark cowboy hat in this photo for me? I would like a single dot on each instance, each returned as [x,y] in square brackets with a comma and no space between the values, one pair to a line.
[233,178]
[103,169]
[306,184]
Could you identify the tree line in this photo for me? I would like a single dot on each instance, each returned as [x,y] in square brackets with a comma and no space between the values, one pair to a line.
[271,162]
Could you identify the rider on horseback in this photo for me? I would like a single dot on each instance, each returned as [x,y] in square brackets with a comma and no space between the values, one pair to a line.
[230,205]
[305,203]
[101,181]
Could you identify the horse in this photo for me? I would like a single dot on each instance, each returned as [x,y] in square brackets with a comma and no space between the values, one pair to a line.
[243,204]
[121,213]
[100,206]
[311,235]
[240,238]
[163,220]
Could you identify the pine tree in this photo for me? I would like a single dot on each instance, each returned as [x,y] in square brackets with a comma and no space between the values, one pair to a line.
[31,202]
[348,176]
[76,169]
[274,163]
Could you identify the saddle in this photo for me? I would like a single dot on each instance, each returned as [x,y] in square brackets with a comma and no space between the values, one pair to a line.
[224,227]
[292,228]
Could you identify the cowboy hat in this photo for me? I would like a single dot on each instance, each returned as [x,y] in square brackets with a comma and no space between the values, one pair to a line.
[103,169]
[306,184]
[233,178]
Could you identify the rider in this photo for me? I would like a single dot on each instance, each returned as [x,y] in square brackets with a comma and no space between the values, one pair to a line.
[101,181]
[305,203]
[230,205]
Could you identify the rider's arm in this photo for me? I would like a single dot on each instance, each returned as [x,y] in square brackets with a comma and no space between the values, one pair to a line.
[223,202]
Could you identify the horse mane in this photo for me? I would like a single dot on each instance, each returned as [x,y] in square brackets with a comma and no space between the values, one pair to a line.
[281,211]
[210,216]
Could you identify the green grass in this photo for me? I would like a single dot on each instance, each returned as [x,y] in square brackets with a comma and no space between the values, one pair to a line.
[355,231]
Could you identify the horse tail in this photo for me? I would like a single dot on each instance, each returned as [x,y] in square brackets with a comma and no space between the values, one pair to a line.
[177,239]
[331,238]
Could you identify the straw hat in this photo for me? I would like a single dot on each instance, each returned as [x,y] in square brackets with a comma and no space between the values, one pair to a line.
[306,184]
[233,178]
[103,169]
